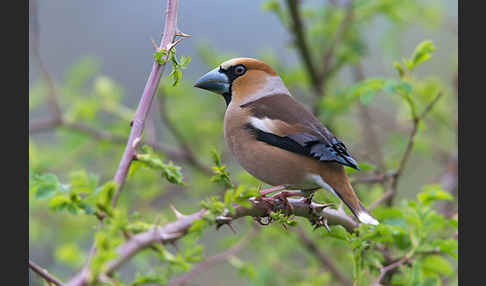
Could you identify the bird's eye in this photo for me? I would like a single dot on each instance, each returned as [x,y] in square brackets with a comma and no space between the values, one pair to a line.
[239,70]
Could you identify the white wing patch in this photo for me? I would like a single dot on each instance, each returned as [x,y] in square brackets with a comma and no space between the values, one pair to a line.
[367,219]
[264,124]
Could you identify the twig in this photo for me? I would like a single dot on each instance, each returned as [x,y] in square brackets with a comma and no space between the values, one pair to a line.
[321,257]
[52,101]
[210,261]
[411,140]
[138,122]
[102,135]
[327,67]
[390,267]
[302,46]
[44,274]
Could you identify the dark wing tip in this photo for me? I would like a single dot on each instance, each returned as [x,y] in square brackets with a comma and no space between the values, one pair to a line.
[352,163]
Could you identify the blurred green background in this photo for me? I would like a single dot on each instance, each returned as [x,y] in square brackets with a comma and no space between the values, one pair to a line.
[99,55]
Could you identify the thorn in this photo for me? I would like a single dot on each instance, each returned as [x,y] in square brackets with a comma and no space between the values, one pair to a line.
[135,157]
[178,214]
[131,123]
[136,141]
[326,225]
[156,47]
[231,227]
[182,34]
[321,207]
[173,44]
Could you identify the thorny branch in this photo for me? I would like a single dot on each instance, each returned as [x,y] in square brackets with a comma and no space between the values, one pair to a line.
[167,42]
[317,214]
[44,274]
[168,37]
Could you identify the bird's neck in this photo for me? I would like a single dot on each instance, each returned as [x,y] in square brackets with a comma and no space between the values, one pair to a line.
[273,85]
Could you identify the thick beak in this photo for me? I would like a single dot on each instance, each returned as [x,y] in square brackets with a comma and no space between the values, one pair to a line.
[214,81]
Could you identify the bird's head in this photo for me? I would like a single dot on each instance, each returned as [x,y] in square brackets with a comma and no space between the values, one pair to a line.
[242,79]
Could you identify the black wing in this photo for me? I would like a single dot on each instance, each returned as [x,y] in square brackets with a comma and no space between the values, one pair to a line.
[308,145]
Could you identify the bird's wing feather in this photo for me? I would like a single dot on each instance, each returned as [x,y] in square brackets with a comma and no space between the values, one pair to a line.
[280,121]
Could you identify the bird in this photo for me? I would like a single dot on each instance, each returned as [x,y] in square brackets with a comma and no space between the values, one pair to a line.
[275,138]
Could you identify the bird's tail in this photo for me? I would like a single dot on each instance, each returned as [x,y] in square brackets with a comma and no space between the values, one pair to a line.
[342,188]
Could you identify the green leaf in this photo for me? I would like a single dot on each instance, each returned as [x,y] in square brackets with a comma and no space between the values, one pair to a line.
[433,193]
[173,173]
[69,253]
[44,185]
[45,191]
[400,69]
[160,56]
[422,53]
[339,232]
[170,171]
[432,264]
[184,61]
[81,182]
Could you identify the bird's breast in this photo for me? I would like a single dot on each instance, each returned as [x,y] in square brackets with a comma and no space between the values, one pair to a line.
[267,163]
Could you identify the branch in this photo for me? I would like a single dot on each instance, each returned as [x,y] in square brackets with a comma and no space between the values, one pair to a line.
[328,68]
[210,261]
[411,140]
[302,46]
[167,42]
[261,207]
[321,257]
[52,102]
[390,267]
[170,30]
[44,274]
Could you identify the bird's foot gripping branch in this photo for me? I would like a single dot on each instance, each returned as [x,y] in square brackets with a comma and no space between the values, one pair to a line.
[277,208]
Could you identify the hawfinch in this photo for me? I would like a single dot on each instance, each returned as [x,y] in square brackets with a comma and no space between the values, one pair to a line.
[275,138]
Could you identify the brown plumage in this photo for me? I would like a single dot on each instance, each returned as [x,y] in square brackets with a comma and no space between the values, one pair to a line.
[275,138]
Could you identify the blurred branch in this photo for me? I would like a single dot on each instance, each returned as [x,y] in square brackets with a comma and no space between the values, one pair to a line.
[52,102]
[44,274]
[329,67]
[302,45]
[318,76]
[168,37]
[411,140]
[185,148]
[384,270]
[210,261]
[321,257]
[101,135]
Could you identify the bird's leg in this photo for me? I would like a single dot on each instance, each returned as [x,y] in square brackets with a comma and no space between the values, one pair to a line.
[284,195]
[273,189]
